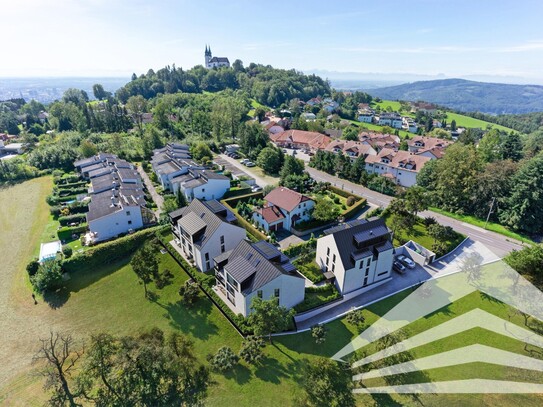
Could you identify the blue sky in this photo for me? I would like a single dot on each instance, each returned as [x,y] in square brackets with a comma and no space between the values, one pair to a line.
[118,37]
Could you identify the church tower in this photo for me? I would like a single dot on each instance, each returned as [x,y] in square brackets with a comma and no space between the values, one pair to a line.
[207,56]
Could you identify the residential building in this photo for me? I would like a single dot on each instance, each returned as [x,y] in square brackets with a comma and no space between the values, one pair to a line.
[309,117]
[200,184]
[11,148]
[366,115]
[172,161]
[400,166]
[353,149]
[426,108]
[203,230]
[390,119]
[214,62]
[257,270]
[301,139]
[334,133]
[431,147]
[284,208]
[379,140]
[357,254]
[314,101]
[274,128]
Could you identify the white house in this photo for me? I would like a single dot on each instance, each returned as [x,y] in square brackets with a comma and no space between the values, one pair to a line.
[357,254]
[366,115]
[390,119]
[201,184]
[257,270]
[172,161]
[353,149]
[203,230]
[400,166]
[284,208]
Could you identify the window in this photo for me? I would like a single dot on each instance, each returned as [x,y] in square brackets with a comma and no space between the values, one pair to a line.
[203,190]
[334,258]
[328,251]
[368,262]
[208,266]
[222,239]
[367,271]
[222,248]
[365,281]
[129,222]
[127,213]
[259,293]
[207,256]
[276,293]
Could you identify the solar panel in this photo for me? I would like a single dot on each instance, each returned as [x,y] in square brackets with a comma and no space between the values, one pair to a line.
[267,250]
[215,206]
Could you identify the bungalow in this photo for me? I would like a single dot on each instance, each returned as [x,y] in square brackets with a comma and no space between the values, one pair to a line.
[204,230]
[256,270]
[400,166]
[358,255]
[274,128]
[283,209]
[301,139]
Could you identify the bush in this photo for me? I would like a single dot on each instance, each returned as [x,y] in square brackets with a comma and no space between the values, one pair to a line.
[351,200]
[336,200]
[225,359]
[66,232]
[428,221]
[32,267]
[67,251]
[108,252]
[302,248]
[76,218]
[48,277]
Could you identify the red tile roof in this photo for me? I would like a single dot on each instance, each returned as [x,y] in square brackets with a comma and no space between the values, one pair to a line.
[308,138]
[270,214]
[285,198]
[399,159]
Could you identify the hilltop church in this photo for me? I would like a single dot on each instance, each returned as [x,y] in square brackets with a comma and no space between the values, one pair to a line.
[215,62]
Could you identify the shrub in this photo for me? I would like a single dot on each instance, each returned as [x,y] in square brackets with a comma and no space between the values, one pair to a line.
[76,218]
[318,332]
[428,221]
[336,200]
[351,200]
[189,293]
[66,232]
[67,251]
[251,349]
[225,359]
[48,277]
[32,267]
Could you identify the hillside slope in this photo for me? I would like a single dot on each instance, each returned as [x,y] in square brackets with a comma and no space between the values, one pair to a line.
[468,96]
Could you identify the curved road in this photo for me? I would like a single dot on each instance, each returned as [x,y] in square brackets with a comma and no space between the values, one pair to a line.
[499,244]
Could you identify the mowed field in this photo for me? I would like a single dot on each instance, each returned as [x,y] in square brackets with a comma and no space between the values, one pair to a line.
[110,299]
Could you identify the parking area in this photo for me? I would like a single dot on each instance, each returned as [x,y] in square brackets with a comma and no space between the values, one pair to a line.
[298,153]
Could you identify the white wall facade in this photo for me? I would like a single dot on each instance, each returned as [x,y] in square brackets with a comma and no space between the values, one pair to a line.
[117,223]
[213,189]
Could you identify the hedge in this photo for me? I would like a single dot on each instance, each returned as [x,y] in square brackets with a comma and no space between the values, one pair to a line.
[72,185]
[75,207]
[108,252]
[314,301]
[355,208]
[247,225]
[236,193]
[342,192]
[66,179]
[66,232]
[65,220]
[232,202]
[70,191]
[301,248]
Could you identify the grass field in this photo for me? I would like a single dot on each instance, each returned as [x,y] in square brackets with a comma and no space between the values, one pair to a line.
[470,122]
[110,299]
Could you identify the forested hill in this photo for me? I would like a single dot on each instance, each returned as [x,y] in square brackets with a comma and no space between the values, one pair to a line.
[469,96]
[267,85]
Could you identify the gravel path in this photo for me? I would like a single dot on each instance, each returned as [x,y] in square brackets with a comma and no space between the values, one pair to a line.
[159,200]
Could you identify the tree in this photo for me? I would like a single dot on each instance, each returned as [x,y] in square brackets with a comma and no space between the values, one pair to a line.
[416,200]
[201,152]
[268,316]
[327,383]
[145,265]
[350,133]
[136,106]
[325,210]
[318,332]
[48,277]
[528,261]
[189,293]
[180,199]
[145,370]
[356,318]
[225,359]
[251,350]
[292,166]
[88,149]
[60,357]
[453,125]
[99,92]
[270,159]
[524,207]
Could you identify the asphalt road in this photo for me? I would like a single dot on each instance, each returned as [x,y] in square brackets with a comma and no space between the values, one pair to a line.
[499,244]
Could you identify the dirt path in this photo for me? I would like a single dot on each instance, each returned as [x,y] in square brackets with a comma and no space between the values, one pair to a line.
[159,200]
[22,219]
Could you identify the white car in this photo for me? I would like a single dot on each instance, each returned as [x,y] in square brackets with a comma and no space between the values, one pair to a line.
[250,164]
[245,161]
[406,260]
[256,188]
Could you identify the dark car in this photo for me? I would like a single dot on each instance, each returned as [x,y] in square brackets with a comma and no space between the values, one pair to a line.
[399,267]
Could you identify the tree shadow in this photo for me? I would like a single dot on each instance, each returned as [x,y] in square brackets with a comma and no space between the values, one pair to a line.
[57,299]
[271,370]
[240,373]
[193,320]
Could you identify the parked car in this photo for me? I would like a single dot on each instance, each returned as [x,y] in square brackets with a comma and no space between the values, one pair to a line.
[406,261]
[245,161]
[256,188]
[285,150]
[234,156]
[398,267]
[250,164]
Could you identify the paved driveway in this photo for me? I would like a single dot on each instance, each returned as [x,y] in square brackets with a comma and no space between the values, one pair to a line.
[450,264]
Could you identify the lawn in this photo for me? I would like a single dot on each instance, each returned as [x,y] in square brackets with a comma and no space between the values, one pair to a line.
[470,122]
[494,227]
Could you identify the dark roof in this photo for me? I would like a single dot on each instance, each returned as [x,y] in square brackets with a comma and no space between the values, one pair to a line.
[108,202]
[106,181]
[219,59]
[168,167]
[175,215]
[254,265]
[211,214]
[93,167]
[126,173]
[355,240]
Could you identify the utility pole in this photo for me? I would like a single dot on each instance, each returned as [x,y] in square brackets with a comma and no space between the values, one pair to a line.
[490,211]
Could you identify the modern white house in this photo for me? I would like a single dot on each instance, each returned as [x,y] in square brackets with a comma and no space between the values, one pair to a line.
[172,161]
[390,119]
[203,230]
[400,166]
[356,255]
[257,270]
[284,208]
[366,115]
[201,184]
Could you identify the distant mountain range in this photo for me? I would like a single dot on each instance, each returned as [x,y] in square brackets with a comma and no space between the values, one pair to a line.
[468,96]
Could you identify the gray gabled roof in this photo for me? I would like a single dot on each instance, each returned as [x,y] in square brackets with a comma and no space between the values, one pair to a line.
[192,223]
[254,265]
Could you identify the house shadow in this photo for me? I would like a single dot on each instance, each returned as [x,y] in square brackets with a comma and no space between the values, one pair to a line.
[193,320]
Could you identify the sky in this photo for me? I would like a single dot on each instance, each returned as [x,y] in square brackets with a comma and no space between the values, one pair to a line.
[497,38]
